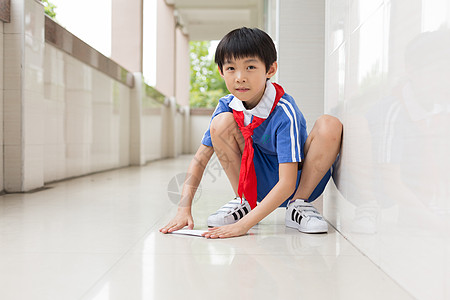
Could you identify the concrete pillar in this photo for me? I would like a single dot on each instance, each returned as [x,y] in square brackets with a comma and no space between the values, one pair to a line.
[186,149]
[182,68]
[165,49]
[137,155]
[1,100]
[126,33]
[168,138]
[182,86]
[24,97]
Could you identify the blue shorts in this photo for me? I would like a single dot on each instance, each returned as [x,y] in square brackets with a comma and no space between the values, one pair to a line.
[266,168]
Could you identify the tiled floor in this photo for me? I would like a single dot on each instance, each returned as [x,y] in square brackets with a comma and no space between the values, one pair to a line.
[96,237]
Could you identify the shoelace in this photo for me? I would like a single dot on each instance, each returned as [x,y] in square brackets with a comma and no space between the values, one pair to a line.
[230,206]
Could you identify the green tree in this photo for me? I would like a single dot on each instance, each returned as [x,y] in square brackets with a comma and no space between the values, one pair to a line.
[49,9]
[207,86]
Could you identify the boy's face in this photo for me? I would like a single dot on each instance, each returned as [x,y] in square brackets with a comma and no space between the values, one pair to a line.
[246,78]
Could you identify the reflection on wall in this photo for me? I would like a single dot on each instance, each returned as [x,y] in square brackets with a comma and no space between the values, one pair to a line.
[387,78]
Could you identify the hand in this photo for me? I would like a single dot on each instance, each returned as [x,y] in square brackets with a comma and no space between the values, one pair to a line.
[182,218]
[226,231]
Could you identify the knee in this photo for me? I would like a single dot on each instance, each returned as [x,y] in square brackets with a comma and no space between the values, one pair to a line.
[330,127]
[221,123]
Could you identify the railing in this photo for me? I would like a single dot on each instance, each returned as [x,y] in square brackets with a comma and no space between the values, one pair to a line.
[5,10]
[62,39]
[71,111]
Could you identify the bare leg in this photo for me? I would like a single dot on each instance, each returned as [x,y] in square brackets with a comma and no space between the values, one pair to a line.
[228,144]
[321,148]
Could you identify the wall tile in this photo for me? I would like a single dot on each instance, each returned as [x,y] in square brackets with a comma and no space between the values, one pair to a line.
[337,26]
[124,124]
[391,198]
[34,19]
[1,54]
[17,18]
[1,108]
[78,159]
[2,184]
[33,170]
[12,61]
[78,76]
[33,122]
[12,108]
[301,47]
[13,167]
[360,11]
[103,91]
[63,117]
[33,70]
[54,162]
[152,137]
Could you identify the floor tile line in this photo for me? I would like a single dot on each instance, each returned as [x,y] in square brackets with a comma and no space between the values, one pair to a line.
[370,260]
[124,255]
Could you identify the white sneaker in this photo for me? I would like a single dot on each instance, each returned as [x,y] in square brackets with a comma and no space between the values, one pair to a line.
[230,213]
[304,217]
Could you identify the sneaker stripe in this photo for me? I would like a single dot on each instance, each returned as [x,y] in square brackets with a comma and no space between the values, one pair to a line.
[245,210]
[314,222]
[235,216]
[298,218]
[240,214]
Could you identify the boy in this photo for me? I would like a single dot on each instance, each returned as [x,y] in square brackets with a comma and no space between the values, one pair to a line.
[259,135]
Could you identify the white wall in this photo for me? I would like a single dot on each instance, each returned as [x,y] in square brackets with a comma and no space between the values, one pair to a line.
[300,51]
[199,124]
[153,127]
[387,78]
[86,118]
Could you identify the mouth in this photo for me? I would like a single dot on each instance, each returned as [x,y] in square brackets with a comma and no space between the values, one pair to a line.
[242,89]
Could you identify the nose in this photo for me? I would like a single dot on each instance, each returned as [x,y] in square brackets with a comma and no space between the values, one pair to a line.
[240,77]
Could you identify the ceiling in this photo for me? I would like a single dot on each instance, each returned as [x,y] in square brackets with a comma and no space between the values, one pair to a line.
[212,19]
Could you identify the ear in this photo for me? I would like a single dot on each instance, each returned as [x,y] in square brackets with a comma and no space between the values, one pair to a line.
[220,71]
[272,70]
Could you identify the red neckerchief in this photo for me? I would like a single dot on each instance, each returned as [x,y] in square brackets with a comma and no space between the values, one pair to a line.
[247,176]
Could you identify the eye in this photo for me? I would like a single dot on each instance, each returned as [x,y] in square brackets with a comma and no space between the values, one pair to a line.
[229,69]
[251,67]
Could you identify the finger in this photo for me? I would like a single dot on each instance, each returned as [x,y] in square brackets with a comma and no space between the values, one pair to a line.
[207,235]
[191,224]
[165,228]
[222,233]
[217,233]
[176,227]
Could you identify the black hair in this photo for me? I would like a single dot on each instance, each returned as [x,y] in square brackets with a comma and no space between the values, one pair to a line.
[246,42]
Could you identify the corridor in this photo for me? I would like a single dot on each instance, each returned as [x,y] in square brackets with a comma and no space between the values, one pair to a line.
[96,237]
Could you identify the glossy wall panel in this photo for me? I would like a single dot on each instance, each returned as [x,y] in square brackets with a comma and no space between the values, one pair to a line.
[300,42]
[387,77]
